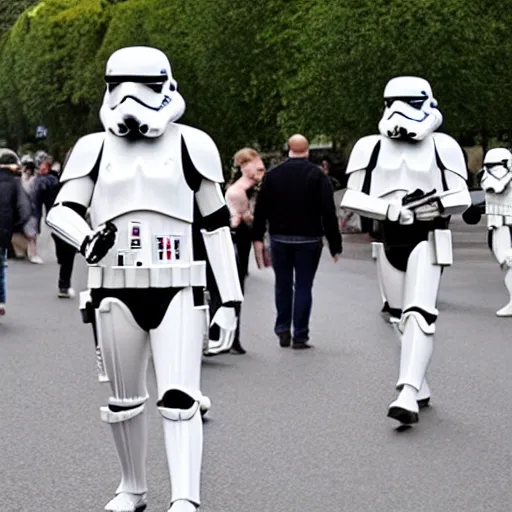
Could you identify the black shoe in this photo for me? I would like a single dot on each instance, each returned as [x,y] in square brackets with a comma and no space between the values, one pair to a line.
[285,339]
[424,402]
[237,349]
[404,416]
[301,345]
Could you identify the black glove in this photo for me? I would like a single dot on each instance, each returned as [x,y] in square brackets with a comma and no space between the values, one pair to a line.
[97,244]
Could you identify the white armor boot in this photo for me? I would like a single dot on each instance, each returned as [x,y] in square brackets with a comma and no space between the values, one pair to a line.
[183,506]
[417,348]
[424,394]
[507,310]
[496,179]
[411,180]
[141,179]
[126,502]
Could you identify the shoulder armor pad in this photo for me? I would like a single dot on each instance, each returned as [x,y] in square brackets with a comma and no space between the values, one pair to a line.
[450,154]
[362,153]
[83,157]
[203,152]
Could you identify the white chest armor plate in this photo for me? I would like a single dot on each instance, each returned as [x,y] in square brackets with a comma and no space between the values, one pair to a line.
[141,188]
[405,167]
[143,175]
[500,205]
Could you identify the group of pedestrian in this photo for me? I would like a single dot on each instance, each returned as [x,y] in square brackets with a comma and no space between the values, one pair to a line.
[28,188]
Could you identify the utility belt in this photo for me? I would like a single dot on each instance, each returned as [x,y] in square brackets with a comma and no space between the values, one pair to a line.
[177,275]
[505,210]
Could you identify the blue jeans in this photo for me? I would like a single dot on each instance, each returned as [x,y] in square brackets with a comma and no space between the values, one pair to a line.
[3,261]
[295,262]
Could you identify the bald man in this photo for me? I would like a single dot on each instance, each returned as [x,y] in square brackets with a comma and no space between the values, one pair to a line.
[296,201]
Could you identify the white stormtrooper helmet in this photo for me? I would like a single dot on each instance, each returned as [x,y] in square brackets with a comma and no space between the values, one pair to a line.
[410,109]
[142,96]
[497,171]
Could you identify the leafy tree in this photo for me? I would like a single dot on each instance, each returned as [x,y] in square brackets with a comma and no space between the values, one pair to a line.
[254,72]
[351,49]
[48,51]
[10,10]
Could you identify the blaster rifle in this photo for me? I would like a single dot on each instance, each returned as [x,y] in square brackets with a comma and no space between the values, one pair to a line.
[419,198]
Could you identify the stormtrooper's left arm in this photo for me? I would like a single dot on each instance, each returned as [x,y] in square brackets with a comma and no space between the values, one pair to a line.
[456,199]
[221,256]
[218,242]
[203,165]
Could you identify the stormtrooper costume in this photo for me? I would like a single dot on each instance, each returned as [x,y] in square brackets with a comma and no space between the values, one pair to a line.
[497,174]
[412,180]
[140,178]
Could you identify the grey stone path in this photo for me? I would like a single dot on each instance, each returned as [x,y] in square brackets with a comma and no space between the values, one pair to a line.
[288,431]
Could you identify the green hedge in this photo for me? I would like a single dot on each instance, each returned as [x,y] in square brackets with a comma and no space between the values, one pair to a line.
[253,72]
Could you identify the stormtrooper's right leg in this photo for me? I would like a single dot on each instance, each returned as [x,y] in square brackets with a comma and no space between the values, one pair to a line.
[125,350]
[391,283]
[417,327]
[501,244]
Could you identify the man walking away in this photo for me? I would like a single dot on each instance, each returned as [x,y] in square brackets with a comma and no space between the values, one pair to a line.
[296,199]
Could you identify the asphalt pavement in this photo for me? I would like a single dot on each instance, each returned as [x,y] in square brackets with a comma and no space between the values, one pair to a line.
[289,431]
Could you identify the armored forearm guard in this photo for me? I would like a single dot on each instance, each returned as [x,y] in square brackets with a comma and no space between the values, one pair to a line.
[221,255]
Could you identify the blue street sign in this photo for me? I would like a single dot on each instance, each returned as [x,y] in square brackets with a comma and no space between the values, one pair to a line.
[41,132]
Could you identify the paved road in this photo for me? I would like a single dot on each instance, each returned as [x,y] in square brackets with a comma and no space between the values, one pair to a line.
[289,432]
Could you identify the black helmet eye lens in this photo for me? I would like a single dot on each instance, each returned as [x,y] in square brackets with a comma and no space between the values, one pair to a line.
[155,87]
[416,103]
[111,87]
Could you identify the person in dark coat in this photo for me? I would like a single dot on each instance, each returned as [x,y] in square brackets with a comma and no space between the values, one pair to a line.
[65,253]
[296,201]
[15,210]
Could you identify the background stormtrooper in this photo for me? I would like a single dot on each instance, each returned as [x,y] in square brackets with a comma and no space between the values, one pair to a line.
[412,180]
[497,174]
[141,178]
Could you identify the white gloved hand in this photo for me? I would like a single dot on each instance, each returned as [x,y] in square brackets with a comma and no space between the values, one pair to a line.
[401,214]
[226,320]
[406,217]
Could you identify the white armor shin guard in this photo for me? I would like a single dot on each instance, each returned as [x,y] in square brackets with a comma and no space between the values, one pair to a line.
[417,347]
[424,394]
[416,352]
[183,430]
[129,428]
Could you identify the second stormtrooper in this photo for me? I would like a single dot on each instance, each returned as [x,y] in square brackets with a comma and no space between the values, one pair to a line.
[412,180]
[496,178]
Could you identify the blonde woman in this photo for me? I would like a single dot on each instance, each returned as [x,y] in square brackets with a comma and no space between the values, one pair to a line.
[250,172]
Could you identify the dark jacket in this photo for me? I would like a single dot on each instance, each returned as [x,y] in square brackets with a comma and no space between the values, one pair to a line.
[297,199]
[45,191]
[15,206]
